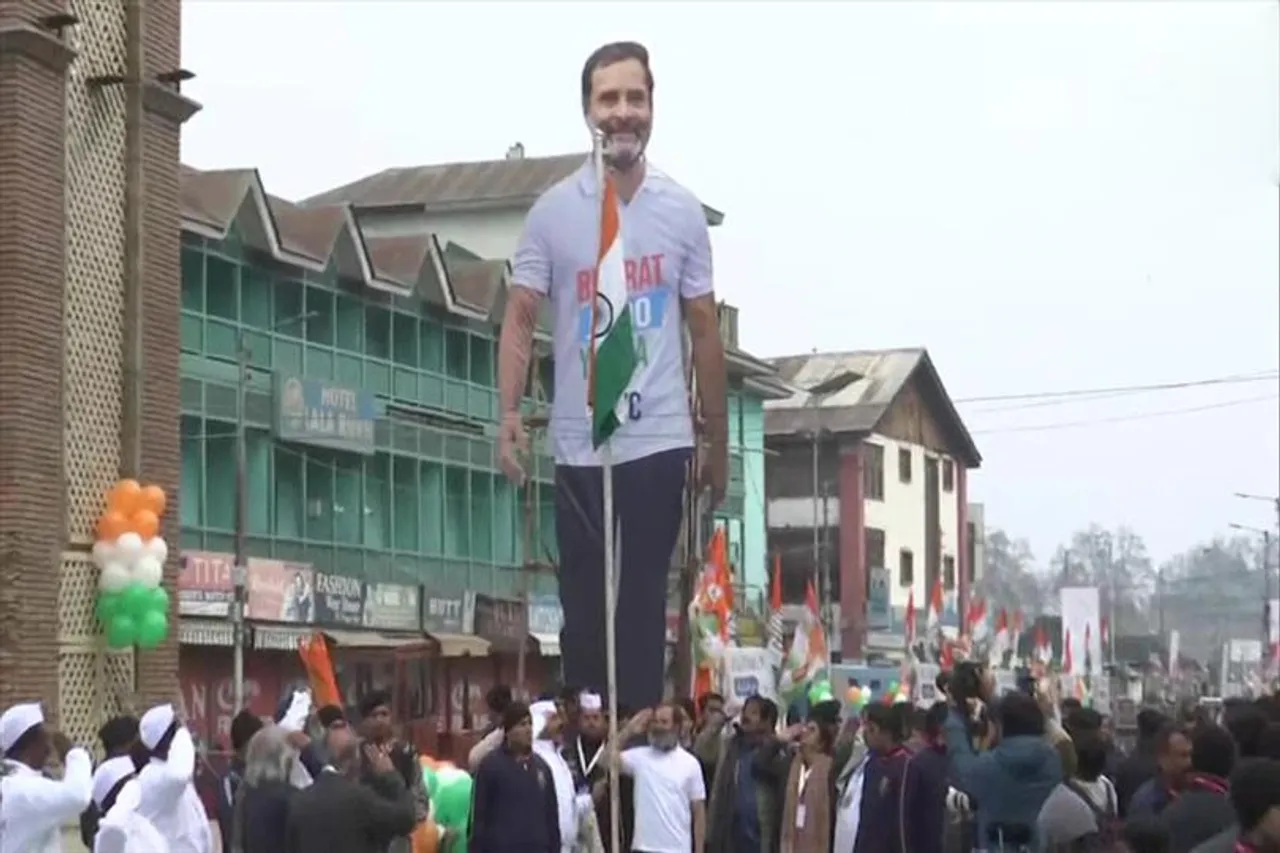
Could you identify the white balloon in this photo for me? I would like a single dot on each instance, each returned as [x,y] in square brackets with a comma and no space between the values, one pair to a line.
[129,546]
[114,577]
[103,553]
[147,570]
[157,548]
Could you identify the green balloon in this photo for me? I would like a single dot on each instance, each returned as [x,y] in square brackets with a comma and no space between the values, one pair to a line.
[893,687]
[159,600]
[820,691]
[107,608]
[152,629]
[453,799]
[122,631]
[135,600]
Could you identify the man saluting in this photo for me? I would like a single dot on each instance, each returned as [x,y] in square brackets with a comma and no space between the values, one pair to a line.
[33,807]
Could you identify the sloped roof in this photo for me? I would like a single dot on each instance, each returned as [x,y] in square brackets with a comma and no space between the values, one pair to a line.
[447,187]
[313,237]
[852,391]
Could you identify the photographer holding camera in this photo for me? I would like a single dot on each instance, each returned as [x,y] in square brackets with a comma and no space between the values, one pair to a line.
[1004,764]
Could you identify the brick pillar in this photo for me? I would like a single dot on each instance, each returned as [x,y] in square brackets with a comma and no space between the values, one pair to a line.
[166,111]
[33,66]
[853,558]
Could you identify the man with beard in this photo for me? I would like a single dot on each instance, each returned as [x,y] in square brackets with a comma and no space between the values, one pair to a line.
[746,802]
[585,753]
[667,254]
[670,797]
[167,796]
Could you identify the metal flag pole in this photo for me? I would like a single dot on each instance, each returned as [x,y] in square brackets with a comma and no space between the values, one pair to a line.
[610,569]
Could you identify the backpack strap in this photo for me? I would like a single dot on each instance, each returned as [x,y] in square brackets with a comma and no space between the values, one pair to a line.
[1101,815]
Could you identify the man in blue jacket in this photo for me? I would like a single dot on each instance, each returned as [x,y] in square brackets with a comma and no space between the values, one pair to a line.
[1010,774]
[883,815]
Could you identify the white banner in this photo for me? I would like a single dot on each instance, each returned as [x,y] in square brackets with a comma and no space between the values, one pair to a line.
[1080,619]
[747,672]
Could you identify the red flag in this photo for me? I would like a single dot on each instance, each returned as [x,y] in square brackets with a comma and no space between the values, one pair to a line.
[909,623]
[775,594]
[1068,664]
[933,618]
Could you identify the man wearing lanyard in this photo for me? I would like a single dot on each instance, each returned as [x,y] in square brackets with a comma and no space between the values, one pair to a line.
[585,752]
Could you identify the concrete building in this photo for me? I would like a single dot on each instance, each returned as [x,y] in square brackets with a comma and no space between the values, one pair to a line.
[870,460]
[481,206]
[89,227]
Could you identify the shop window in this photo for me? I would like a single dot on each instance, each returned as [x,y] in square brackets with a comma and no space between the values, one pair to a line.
[319,492]
[377,501]
[219,475]
[222,291]
[348,498]
[377,332]
[456,353]
[258,481]
[405,329]
[350,323]
[256,287]
[191,500]
[456,510]
[193,279]
[319,322]
[404,497]
[432,505]
[482,351]
[287,308]
[481,516]
[289,504]
[431,345]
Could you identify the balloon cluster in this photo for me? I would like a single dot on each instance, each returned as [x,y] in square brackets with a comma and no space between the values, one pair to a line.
[858,697]
[450,792]
[133,606]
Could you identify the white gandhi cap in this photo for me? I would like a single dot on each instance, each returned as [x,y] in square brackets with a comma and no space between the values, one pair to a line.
[17,721]
[109,774]
[154,724]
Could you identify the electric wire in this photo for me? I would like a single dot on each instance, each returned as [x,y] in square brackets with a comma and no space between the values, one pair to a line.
[1232,379]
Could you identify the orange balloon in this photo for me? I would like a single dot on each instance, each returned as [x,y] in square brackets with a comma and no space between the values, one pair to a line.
[144,523]
[153,498]
[124,497]
[111,524]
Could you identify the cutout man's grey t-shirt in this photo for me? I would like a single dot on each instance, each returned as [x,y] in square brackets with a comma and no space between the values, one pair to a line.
[668,258]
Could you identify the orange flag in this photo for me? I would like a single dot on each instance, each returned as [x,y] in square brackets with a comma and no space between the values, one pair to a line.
[314,652]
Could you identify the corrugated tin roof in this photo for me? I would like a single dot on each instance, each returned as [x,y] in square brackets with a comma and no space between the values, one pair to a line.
[853,391]
[443,187]
[313,237]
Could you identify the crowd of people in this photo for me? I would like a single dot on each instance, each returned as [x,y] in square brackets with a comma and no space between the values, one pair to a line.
[975,772]
[314,782]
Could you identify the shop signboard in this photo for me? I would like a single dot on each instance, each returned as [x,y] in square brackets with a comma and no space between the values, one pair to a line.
[392,607]
[339,601]
[317,412]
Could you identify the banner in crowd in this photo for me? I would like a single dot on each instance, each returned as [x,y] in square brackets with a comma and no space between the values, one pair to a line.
[339,601]
[392,607]
[747,672]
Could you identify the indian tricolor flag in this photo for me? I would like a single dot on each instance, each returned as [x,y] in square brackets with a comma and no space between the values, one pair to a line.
[613,348]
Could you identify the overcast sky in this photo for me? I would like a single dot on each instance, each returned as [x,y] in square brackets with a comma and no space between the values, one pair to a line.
[1048,195]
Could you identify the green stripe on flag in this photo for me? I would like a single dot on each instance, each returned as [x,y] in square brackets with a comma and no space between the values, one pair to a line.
[615,365]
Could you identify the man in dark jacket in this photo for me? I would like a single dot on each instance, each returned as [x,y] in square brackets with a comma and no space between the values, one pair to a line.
[244,726]
[1202,809]
[1140,766]
[1173,762]
[513,802]
[744,803]
[882,815]
[339,814]
[924,797]
[1255,798]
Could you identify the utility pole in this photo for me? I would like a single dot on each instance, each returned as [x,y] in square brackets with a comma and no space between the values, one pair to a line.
[240,572]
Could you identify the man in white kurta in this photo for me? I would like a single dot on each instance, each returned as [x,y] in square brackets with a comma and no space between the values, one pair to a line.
[122,829]
[34,807]
[168,795]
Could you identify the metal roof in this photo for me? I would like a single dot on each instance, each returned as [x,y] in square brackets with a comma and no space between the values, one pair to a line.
[852,391]
[442,188]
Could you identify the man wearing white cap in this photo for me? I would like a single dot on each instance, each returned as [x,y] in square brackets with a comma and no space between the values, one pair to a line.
[168,797]
[117,795]
[33,807]
[547,727]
